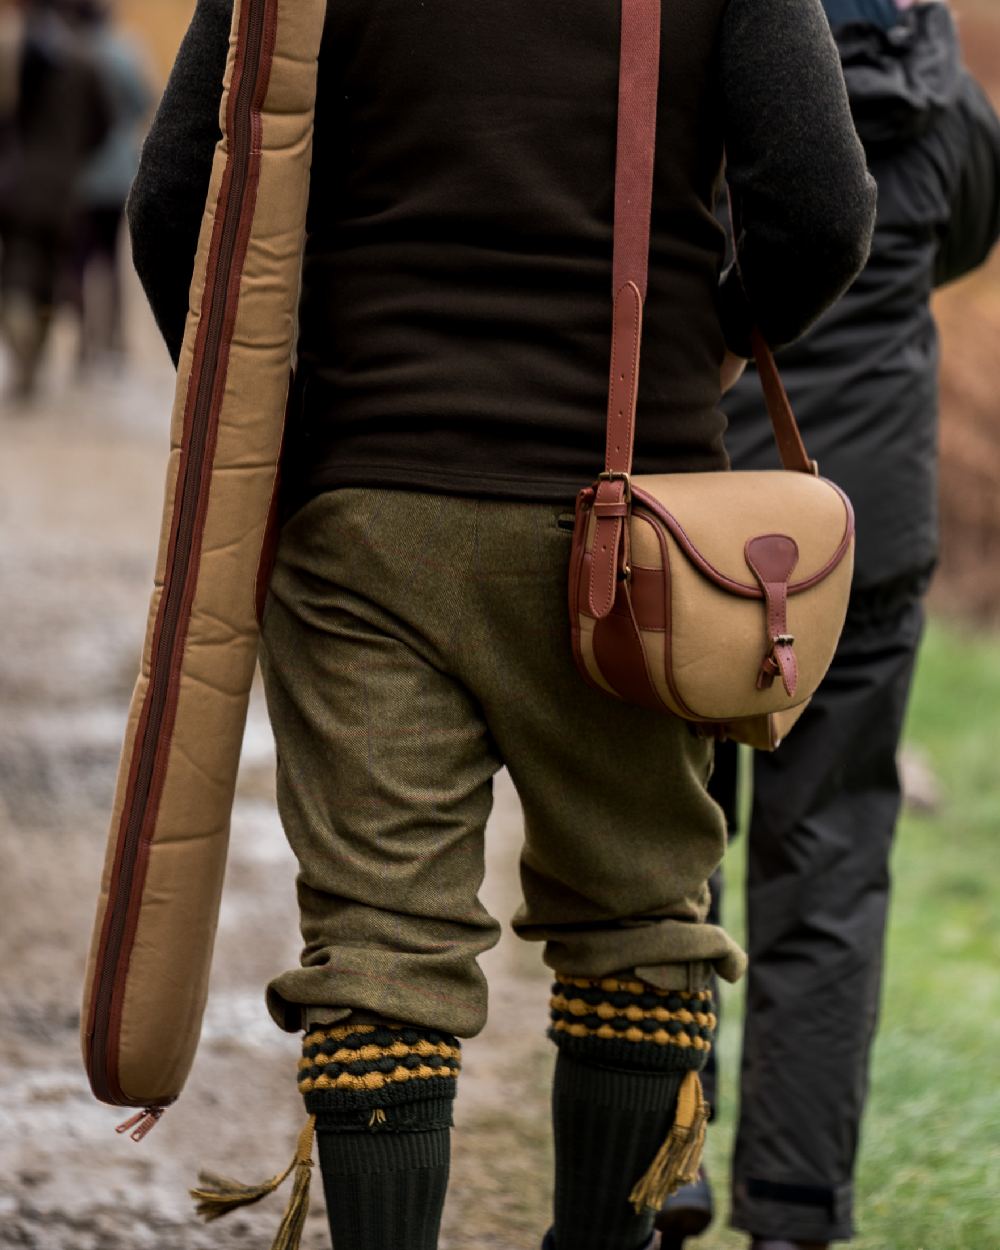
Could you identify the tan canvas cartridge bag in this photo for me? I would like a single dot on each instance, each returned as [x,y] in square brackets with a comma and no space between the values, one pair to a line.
[717,597]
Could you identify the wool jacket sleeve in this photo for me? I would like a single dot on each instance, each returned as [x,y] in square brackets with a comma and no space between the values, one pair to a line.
[803,201]
[974,224]
[167,202]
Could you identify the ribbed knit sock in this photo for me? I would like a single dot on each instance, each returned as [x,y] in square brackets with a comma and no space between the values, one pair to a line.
[624,1050]
[382,1096]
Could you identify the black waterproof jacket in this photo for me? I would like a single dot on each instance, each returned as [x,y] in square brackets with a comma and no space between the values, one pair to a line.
[864,382]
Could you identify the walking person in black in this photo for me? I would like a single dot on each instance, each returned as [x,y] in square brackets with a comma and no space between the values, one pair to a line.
[864,384]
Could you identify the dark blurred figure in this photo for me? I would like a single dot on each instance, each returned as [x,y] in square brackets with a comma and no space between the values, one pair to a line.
[11,45]
[60,115]
[864,383]
[11,34]
[106,181]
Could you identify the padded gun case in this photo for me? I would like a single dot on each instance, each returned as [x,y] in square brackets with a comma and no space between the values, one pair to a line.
[149,962]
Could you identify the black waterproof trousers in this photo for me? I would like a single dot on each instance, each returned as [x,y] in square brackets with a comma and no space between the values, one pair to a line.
[822,820]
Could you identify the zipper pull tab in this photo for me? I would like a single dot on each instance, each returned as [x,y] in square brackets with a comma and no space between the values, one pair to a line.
[141,1123]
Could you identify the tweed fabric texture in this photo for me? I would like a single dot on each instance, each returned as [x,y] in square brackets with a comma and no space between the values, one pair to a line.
[412,645]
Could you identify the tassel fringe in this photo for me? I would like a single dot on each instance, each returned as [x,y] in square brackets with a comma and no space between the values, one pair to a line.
[678,1159]
[289,1233]
[218,1196]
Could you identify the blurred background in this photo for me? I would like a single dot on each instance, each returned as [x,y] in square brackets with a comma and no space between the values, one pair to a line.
[81,466]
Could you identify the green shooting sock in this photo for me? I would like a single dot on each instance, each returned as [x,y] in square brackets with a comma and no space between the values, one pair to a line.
[382,1096]
[623,1137]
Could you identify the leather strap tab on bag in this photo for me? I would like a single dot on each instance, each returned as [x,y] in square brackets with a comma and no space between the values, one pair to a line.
[772,559]
[611,502]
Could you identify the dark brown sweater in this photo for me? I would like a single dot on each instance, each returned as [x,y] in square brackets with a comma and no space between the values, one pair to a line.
[457,282]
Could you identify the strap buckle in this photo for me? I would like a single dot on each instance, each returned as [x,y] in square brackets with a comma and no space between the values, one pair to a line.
[615,475]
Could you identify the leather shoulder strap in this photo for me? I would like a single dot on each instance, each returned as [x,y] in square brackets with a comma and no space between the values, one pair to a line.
[638,85]
[638,82]
[786,429]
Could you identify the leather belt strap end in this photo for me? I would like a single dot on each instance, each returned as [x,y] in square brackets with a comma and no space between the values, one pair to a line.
[613,493]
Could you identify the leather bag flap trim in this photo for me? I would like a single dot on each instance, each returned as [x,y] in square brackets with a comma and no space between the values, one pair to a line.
[747,590]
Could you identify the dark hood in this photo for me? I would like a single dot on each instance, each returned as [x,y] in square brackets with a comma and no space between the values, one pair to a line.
[899,79]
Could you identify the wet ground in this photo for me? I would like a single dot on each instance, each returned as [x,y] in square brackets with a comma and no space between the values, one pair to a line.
[80,499]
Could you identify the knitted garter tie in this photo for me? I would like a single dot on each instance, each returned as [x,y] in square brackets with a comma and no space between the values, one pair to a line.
[368,1059]
[612,1010]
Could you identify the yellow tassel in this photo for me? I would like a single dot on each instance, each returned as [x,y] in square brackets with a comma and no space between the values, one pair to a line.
[218,1196]
[678,1159]
[289,1233]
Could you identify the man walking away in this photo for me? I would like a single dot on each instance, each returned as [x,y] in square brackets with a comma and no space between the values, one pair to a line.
[864,384]
[448,403]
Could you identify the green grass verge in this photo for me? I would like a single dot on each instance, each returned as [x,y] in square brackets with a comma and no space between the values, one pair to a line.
[929,1172]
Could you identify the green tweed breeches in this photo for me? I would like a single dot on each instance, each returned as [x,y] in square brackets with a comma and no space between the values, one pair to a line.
[414,644]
